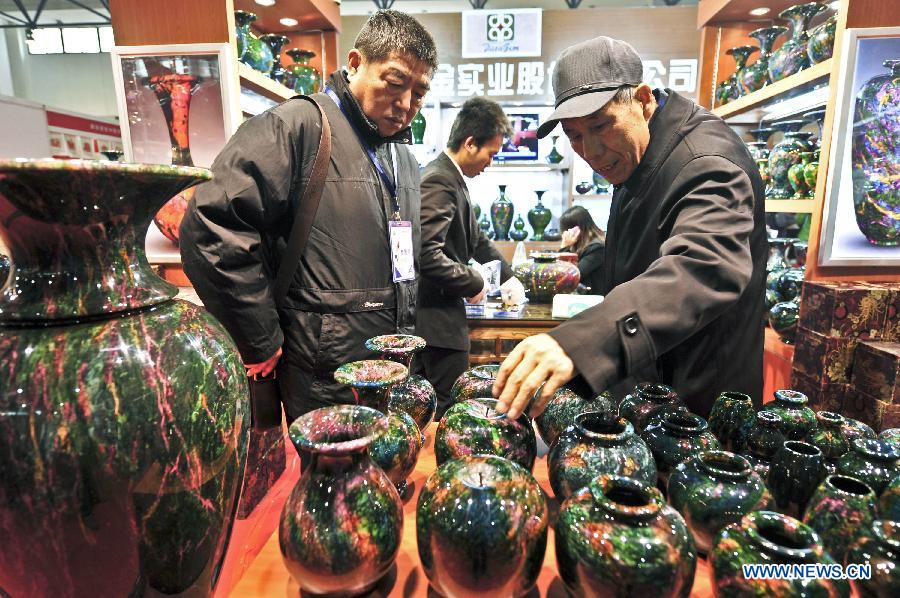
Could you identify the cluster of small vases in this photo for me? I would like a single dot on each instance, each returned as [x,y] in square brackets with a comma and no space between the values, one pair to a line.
[263,53]
[784,282]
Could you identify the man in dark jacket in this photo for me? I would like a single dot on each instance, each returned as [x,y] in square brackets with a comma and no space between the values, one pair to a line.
[685,247]
[450,238]
[343,292]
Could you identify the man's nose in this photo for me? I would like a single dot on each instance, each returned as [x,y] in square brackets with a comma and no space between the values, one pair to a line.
[592,148]
[404,101]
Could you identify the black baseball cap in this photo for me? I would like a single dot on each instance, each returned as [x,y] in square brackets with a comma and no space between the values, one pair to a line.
[587,76]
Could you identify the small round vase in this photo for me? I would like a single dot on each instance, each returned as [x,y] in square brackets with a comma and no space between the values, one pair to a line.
[811,174]
[492,546]
[276,42]
[475,383]
[796,177]
[767,538]
[417,128]
[785,154]
[601,185]
[396,347]
[415,396]
[474,427]
[783,319]
[889,501]
[554,157]
[341,526]
[617,537]
[502,215]
[853,429]
[242,20]
[552,235]
[370,380]
[879,548]
[790,283]
[891,435]
[560,412]
[731,419]
[676,437]
[647,402]
[874,462]
[539,217]
[485,225]
[796,471]
[597,445]
[584,187]
[756,75]
[740,54]
[518,233]
[820,46]
[771,299]
[303,78]
[545,276]
[797,420]
[777,260]
[792,57]
[829,438]
[763,441]
[840,511]
[874,148]
[713,489]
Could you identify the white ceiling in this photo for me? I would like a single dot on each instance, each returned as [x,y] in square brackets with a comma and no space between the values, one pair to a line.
[363,7]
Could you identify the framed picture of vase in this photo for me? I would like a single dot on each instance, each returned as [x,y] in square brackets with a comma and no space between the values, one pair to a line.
[861,216]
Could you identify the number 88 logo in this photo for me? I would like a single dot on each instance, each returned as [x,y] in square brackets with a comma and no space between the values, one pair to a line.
[500,27]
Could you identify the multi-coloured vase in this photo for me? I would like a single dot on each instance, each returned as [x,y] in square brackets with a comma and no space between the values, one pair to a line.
[785,154]
[875,462]
[796,177]
[811,174]
[502,215]
[891,435]
[475,383]
[539,217]
[617,537]
[546,276]
[840,511]
[560,412]
[829,438]
[791,57]
[731,419]
[740,54]
[341,526]
[417,397]
[763,441]
[301,76]
[820,46]
[481,528]
[756,75]
[242,20]
[796,471]
[123,411]
[370,380]
[276,42]
[889,501]
[647,402]
[880,549]
[596,445]
[796,419]
[474,427]
[676,437]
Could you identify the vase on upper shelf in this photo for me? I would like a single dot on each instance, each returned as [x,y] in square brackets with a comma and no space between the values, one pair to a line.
[792,57]
[539,217]
[756,75]
[740,54]
[502,215]
[797,177]
[417,127]
[302,77]
[876,157]
[816,116]
[123,411]
[485,225]
[257,54]
[242,20]
[554,157]
[518,233]
[785,154]
[276,42]
[821,40]
[811,173]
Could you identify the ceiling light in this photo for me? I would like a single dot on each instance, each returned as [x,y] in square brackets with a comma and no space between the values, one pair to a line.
[835,5]
[762,10]
[265,2]
[289,22]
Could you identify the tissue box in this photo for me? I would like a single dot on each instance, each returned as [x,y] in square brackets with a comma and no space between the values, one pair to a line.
[822,357]
[876,370]
[843,309]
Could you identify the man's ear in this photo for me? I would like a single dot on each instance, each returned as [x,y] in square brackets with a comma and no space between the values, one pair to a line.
[470,144]
[354,59]
[644,94]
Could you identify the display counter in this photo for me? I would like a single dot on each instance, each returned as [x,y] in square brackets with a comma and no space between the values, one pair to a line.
[494,332]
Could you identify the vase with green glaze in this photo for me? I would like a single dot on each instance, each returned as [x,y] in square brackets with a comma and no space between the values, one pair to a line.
[415,395]
[879,547]
[820,46]
[618,537]
[713,489]
[560,412]
[341,526]
[840,511]
[811,174]
[783,318]
[242,20]
[123,427]
[276,42]
[303,77]
[853,429]
[875,462]
[417,127]
[597,444]
[891,435]
[756,75]
[648,402]
[829,438]
[257,54]
[554,157]
[676,437]
[481,528]
[546,276]
[762,164]
[731,418]
[785,154]
[485,225]
[792,57]
[769,538]
[797,177]
[474,427]
[889,501]
[740,54]
[796,419]
[502,215]
[539,217]
[518,233]
[763,441]
[796,471]
[475,383]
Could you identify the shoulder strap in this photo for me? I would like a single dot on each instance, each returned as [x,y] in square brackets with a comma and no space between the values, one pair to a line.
[306,212]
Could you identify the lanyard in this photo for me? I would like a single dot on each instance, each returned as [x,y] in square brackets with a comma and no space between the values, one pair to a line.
[391,186]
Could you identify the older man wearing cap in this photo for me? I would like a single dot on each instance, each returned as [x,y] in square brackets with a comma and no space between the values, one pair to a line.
[685,249]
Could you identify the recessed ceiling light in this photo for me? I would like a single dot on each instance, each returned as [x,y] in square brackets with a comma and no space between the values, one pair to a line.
[762,10]
[835,5]
[289,22]
[265,2]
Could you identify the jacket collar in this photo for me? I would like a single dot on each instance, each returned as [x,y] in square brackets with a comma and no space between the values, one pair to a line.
[450,164]
[341,86]
[665,132]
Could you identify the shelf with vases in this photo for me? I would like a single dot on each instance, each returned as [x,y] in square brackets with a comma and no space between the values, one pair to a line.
[789,86]
[792,206]
[309,14]
[727,12]
[263,85]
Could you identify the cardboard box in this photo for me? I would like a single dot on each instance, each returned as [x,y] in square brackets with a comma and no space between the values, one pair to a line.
[876,370]
[869,410]
[844,309]
[822,396]
[823,357]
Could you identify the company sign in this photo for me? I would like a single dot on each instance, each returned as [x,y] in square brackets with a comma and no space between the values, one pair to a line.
[501,33]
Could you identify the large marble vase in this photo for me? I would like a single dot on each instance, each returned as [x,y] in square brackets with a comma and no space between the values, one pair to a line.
[123,412]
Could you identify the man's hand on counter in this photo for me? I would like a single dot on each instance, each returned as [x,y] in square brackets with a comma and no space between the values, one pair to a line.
[535,361]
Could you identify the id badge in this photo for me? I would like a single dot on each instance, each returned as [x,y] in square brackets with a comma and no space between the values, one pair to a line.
[402,260]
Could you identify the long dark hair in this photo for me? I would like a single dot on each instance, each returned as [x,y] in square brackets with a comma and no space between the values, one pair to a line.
[590,232]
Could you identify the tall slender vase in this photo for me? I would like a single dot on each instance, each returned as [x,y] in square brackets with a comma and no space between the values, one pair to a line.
[123,411]
[792,57]
[417,127]
[756,76]
[276,42]
[554,157]
[302,77]
[740,54]
[876,157]
[415,395]
[502,215]
[174,92]
[821,41]
[539,217]
[242,20]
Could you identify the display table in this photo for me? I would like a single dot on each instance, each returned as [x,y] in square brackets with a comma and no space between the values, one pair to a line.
[496,326]
[267,575]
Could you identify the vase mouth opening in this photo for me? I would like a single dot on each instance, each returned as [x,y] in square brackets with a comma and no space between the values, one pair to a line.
[486,372]
[887,533]
[783,535]
[791,396]
[829,419]
[484,408]
[732,395]
[626,497]
[601,426]
[848,485]
[337,430]
[396,344]
[684,423]
[893,64]
[723,464]
[802,448]
[876,449]
[767,418]
[371,373]
[656,392]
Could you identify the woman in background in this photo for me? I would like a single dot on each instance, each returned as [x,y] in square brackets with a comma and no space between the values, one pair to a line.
[582,236]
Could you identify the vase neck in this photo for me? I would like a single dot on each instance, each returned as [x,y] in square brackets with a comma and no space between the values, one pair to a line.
[174,91]
[336,465]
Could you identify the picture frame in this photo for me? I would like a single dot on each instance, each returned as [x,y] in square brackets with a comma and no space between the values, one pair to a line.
[156,84]
[863,177]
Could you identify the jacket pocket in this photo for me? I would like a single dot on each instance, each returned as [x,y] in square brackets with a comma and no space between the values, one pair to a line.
[302,335]
[343,337]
